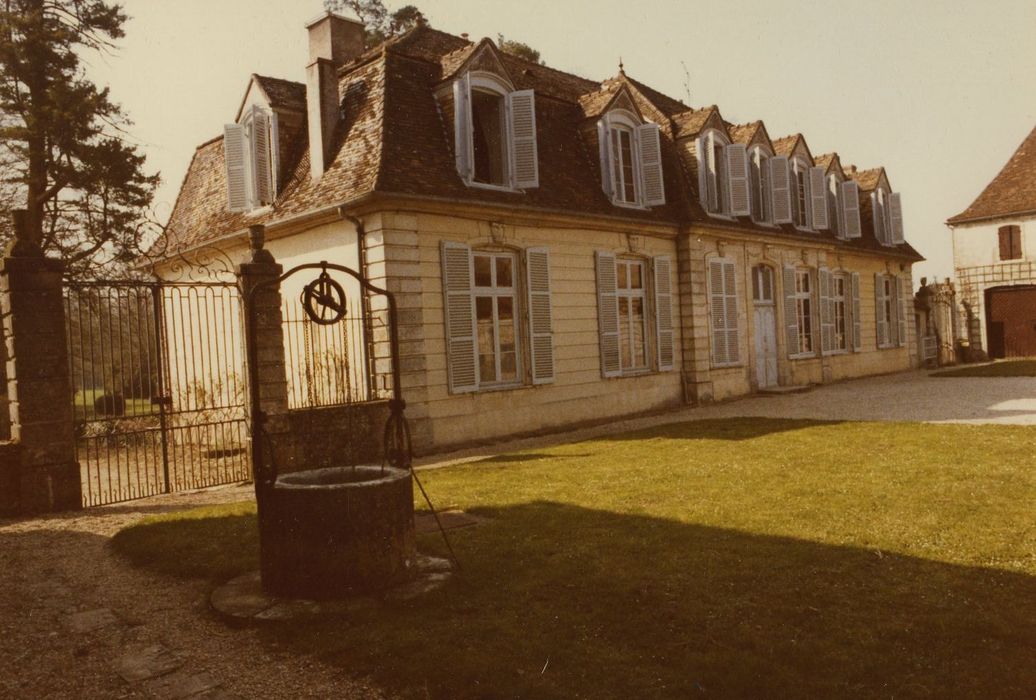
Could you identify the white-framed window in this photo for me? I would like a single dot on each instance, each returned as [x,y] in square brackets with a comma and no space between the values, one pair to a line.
[494,133]
[840,293]
[723,312]
[630,283]
[762,284]
[493,340]
[833,193]
[634,306]
[713,182]
[887,312]
[631,160]
[762,197]
[496,317]
[800,194]
[799,312]
[251,159]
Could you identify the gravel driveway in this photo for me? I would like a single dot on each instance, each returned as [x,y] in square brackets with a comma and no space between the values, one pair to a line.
[74,617]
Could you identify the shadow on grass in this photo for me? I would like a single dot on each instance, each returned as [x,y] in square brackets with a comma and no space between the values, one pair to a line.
[721,429]
[560,601]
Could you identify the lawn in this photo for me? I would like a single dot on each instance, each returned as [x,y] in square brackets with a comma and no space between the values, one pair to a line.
[728,558]
[83,406]
[1001,368]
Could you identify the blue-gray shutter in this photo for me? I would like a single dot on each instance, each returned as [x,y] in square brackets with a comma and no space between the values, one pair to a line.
[881,324]
[235,154]
[459,313]
[791,312]
[525,169]
[857,335]
[608,314]
[663,266]
[541,335]
[851,210]
[827,321]
[652,191]
[605,152]
[462,125]
[780,189]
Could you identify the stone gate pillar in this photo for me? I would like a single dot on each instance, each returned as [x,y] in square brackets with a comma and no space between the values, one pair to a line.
[264,346]
[45,474]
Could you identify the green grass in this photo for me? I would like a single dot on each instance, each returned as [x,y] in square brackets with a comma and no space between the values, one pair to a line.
[1001,368]
[83,406]
[729,558]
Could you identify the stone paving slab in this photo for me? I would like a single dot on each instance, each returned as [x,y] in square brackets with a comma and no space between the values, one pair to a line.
[91,620]
[143,661]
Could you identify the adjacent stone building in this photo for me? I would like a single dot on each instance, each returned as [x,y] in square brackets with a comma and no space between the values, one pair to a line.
[562,250]
[994,253]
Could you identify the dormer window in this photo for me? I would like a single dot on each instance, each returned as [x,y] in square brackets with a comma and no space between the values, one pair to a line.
[833,194]
[631,160]
[887,215]
[713,172]
[762,197]
[250,156]
[800,199]
[495,133]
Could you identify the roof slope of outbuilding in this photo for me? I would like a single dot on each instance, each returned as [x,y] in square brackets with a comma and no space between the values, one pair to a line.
[1011,193]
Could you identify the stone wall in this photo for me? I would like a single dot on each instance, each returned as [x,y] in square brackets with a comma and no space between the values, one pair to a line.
[336,436]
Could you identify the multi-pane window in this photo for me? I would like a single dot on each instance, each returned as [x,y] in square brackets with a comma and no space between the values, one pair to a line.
[839,284]
[716,199]
[623,168]
[834,209]
[759,172]
[496,324]
[886,318]
[804,311]
[629,293]
[1010,242]
[489,137]
[762,284]
[800,195]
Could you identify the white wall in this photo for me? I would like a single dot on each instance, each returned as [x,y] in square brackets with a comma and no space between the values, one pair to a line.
[979,243]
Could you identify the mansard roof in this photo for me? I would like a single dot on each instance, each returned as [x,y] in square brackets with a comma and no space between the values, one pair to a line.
[395,139]
[1011,193]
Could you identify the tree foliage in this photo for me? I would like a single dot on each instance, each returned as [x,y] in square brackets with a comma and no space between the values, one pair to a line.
[63,146]
[380,24]
[517,48]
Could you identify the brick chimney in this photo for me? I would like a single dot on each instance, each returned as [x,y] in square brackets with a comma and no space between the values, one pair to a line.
[333,41]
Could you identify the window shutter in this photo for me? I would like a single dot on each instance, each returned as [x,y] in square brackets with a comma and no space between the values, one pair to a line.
[903,297]
[541,336]
[723,308]
[1005,242]
[462,125]
[234,155]
[275,154]
[880,322]
[739,184]
[818,196]
[791,311]
[521,110]
[662,268]
[261,156]
[651,178]
[699,153]
[857,343]
[608,314]
[827,321]
[712,201]
[459,311]
[730,291]
[896,218]
[780,187]
[851,209]
[604,146]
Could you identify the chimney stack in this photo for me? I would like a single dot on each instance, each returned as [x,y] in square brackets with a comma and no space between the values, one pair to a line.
[333,41]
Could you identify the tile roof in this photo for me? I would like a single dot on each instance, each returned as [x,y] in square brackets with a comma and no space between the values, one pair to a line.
[283,94]
[395,137]
[1011,192]
[866,179]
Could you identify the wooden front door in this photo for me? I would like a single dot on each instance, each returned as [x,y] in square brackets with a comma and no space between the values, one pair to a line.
[1011,322]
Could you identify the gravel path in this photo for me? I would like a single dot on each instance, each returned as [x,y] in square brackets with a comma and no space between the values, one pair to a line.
[76,621]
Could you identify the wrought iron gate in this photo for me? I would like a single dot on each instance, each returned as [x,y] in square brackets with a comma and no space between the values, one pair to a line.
[158,387]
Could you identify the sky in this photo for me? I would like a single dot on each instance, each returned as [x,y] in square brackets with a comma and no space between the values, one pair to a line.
[941,93]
